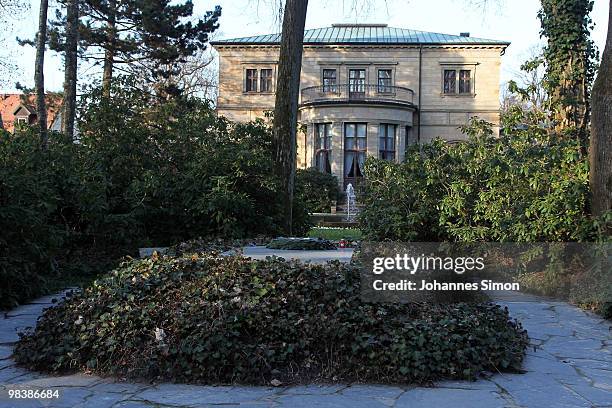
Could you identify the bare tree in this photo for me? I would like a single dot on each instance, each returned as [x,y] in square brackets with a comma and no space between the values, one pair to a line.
[284,127]
[195,76]
[9,7]
[39,76]
[531,79]
[509,99]
[528,92]
[600,148]
[70,68]
[528,88]
[11,11]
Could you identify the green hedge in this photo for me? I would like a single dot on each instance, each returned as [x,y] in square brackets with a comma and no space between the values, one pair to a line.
[525,186]
[144,172]
[317,190]
[210,319]
[179,171]
[529,185]
[304,244]
[41,200]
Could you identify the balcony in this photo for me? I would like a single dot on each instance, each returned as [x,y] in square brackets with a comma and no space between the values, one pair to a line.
[357,93]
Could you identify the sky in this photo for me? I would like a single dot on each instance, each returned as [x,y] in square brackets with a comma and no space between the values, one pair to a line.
[512,20]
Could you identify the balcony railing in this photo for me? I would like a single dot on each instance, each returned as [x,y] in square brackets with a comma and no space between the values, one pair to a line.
[357,93]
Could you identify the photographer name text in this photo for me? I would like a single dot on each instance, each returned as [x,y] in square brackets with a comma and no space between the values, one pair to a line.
[404,263]
[424,285]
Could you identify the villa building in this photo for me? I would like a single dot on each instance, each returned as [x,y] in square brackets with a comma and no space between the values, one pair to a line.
[366,89]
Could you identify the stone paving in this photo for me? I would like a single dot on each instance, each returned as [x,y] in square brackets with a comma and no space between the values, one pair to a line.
[316,257]
[569,364]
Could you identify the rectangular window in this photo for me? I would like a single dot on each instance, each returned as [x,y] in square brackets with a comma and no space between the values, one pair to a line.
[355,145]
[465,83]
[386,132]
[323,147]
[357,83]
[450,81]
[266,80]
[329,80]
[251,80]
[384,80]
[22,121]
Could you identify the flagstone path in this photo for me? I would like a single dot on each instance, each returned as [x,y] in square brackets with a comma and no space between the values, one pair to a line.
[569,364]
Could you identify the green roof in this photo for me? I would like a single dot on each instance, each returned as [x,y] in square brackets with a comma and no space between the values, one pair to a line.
[366,34]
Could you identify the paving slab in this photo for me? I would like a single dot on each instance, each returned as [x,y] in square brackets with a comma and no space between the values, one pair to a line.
[387,392]
[538,390]
[131,404]
[595,396]
[599,378]
[444,397]
[5,352]
[121,387]
[185,395]
[8,375]
[6,363]
[315,257]
[100,400]
[317,389]
[64,381]
[330,400]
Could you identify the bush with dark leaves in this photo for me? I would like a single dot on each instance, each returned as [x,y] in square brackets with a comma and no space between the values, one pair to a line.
[317,190]
[206,318]
[304,244]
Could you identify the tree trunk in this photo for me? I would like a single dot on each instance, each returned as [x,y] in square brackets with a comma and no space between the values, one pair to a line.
[109,51]
[70,69]
[39,75]
[569,69]
[600,149]
[286,105]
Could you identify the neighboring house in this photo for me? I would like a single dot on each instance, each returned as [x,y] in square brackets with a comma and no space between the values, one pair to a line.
[366,89]
[18,109]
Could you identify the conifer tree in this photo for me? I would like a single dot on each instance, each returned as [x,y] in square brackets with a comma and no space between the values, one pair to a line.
[123,34]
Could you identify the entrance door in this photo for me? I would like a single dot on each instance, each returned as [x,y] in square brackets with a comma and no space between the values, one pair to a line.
[357,78]
[355,146]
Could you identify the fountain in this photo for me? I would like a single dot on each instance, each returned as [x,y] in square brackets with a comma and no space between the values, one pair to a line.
[351,209]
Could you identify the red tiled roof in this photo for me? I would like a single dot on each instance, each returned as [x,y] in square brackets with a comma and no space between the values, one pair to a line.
[10,102]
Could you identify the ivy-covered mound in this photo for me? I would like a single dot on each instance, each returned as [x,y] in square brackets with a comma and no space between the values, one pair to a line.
[210,319]
[301,244]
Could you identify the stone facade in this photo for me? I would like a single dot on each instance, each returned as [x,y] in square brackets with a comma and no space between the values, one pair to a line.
[411,98]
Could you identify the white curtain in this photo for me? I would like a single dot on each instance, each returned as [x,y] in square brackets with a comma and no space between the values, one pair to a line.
[361,163]
[349,159]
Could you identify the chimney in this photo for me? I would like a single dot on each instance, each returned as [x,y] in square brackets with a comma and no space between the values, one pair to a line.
[464,34]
